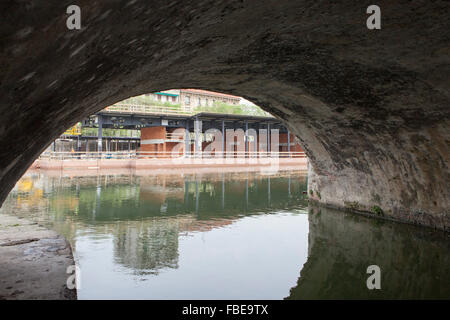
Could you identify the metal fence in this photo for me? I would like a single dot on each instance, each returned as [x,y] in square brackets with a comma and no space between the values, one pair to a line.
[146,109]
[154,109]
[50,155]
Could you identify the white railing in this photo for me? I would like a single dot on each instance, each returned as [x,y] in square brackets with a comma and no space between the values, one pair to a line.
[175,136]
[154,109]
[50,155]
[145,109]
[89,155]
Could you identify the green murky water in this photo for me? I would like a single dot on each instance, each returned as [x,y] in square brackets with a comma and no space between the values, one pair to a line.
[226,236]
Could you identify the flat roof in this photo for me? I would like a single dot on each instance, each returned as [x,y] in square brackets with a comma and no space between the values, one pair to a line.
[143,115]
[209,93]
[202,115]
[166,94]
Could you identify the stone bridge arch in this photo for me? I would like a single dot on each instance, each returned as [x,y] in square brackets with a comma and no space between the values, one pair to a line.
[371,107]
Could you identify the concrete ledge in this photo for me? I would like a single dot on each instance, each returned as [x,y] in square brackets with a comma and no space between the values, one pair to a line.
[33,261]
[432,222]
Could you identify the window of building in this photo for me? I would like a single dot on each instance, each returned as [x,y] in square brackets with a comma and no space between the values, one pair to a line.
[187,100]
[199,102]
[159,97]
[174,99]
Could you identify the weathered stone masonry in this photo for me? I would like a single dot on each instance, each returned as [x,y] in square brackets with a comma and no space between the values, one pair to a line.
[371,107]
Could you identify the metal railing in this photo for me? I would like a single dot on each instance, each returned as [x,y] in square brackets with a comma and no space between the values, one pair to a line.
[146,109]
[155,109]
[87,155]
[51,155]
[175,136]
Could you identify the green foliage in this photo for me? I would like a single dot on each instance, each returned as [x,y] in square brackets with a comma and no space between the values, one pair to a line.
[221,107]
[377,210]
[216,107]
[111,132]
[149,101]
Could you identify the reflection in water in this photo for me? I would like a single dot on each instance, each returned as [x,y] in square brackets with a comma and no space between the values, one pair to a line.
[147,247]
[226,235]
[414,262]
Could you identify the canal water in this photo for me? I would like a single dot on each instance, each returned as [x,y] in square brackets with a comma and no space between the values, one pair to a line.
[239,235]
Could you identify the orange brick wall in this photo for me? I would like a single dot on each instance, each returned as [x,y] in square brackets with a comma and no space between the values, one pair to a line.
[153,133]
[295,147]
[171,145]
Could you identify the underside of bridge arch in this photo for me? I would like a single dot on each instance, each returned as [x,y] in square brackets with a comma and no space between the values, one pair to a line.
[370,107]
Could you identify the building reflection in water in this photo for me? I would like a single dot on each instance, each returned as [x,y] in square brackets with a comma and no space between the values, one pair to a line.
[146,215]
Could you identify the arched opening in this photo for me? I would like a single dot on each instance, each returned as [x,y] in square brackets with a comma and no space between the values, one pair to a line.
[355,163]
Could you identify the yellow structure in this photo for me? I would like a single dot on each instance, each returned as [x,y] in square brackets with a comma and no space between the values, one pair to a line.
[73,131]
